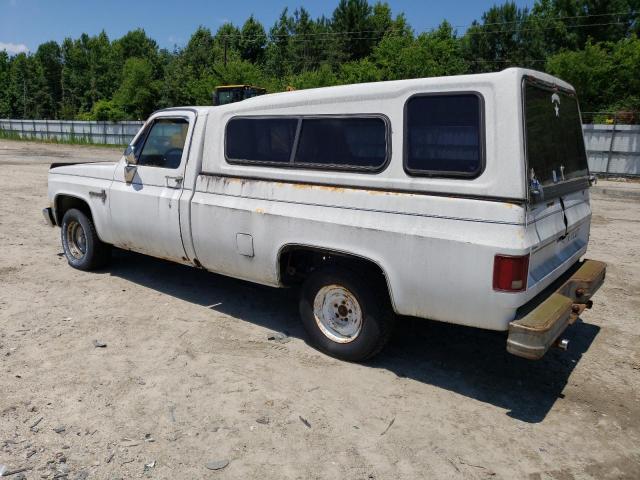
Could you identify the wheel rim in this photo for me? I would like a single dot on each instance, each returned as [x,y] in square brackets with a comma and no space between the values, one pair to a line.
[76,240]
[338,313]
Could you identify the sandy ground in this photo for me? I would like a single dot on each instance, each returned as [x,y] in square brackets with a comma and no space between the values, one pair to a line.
[189,376]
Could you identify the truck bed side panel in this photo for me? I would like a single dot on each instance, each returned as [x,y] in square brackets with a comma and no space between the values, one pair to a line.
[432,257]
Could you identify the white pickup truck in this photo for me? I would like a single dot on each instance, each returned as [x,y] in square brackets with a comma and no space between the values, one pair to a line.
[460,199]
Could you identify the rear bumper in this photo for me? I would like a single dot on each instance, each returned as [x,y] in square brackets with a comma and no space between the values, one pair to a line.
[47,213]
[533,334]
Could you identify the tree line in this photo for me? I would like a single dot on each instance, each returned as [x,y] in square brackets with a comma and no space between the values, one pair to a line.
[593,44]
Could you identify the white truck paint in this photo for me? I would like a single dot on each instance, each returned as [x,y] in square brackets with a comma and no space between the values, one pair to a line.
[433,238]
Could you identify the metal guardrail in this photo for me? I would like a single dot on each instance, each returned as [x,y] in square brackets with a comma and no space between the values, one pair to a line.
[107,133]
[613,150]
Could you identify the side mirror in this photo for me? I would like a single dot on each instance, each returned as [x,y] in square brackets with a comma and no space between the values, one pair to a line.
[130,155]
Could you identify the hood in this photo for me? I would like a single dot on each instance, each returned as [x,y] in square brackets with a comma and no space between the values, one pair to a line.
[101,170]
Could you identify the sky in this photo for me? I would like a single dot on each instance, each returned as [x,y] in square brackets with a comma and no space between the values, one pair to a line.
[25,24]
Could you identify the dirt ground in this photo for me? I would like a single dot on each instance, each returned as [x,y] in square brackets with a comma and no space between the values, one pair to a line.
[189,375]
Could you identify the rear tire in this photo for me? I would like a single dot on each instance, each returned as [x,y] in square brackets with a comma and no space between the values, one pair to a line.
[80,242]
[345,315]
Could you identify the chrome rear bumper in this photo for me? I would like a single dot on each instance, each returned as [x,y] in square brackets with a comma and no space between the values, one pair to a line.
[532,335]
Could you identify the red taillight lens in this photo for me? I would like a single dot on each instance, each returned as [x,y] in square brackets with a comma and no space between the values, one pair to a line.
[510,273]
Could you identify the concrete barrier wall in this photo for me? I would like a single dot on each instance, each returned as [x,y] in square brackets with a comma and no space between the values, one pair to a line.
[611,149]
[108,133]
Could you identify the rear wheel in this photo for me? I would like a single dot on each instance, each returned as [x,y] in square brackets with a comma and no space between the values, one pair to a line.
[345,315]
[80,242]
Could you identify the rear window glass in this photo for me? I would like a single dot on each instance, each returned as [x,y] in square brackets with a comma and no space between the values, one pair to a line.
[261,139]
[555,145]
[342,142]
[443,135]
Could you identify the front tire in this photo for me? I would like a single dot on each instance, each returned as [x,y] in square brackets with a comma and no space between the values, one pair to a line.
[345,315]
[80,242]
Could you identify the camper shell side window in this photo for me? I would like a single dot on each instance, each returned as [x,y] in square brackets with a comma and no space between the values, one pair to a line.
[358,142]
[444,135]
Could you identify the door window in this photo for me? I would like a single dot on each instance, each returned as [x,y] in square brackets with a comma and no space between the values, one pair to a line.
[164,143]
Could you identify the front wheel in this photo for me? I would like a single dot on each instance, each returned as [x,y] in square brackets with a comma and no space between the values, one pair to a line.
[80,242]
[345,315]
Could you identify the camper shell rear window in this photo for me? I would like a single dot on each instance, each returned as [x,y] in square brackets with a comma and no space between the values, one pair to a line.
[555,151]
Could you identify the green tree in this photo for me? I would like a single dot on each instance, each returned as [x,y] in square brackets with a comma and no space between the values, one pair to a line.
[105,111]
[5,83]
[227,38]
[278,53]
[200,53]
[598,20]
[496,43]
[49,56]
[136,43]
[27,87]
[138,92]
[359,71]
[352,22]
[321,77]
[431,54]
[605,75]
[103,74]
[591,43]
[303,47]
[382,22]
[253,41]
[588,71]
[90,72]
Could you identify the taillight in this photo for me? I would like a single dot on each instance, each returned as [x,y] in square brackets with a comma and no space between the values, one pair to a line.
[510,273]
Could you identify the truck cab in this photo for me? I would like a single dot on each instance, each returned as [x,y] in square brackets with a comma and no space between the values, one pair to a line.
[459,199]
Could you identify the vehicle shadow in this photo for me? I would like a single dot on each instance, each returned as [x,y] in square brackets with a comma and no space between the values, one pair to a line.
[467,361]
[475,363]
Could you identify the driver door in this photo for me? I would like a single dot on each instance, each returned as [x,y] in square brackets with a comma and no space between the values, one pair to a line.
[145,197]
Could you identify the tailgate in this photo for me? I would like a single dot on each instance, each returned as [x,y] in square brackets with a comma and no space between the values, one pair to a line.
[558,213]
[560,232]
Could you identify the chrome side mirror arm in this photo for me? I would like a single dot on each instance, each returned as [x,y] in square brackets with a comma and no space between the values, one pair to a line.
[130,155]
[130,167]
[129,173]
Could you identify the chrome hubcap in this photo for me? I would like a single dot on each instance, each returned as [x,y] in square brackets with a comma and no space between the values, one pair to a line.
[337,313]
[76,239]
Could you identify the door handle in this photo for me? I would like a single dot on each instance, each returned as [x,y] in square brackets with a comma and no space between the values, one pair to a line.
[174,182]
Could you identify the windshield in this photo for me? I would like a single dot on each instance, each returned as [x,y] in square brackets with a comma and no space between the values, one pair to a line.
[555,145]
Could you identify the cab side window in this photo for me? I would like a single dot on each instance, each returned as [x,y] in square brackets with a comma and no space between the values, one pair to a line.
[164,143]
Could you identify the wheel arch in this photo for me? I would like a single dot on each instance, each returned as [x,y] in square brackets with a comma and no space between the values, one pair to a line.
[66,201]
[286,251]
